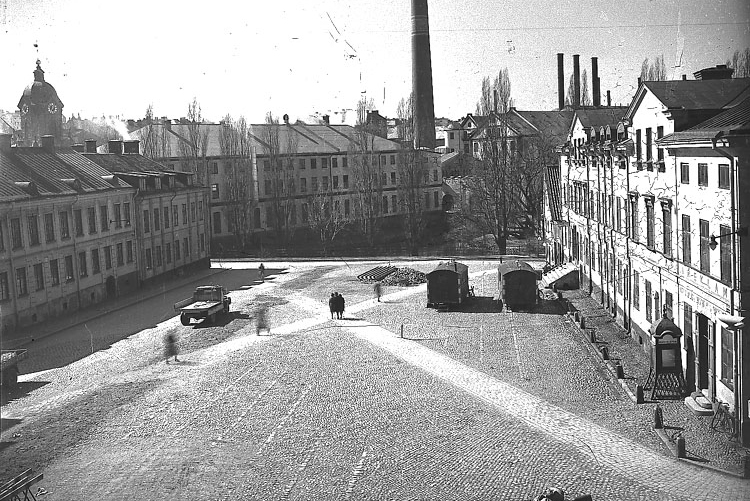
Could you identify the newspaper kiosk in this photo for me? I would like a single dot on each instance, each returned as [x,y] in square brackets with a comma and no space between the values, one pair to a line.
[665,377]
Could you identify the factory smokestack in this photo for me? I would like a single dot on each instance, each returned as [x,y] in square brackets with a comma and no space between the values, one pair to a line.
[576,82]
[560,80]
[597,98]
[421,77]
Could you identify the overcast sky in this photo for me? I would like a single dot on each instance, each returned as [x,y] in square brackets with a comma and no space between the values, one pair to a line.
[305,56]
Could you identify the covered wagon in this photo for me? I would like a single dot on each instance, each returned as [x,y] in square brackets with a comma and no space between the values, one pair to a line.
[447,285]
[517,284]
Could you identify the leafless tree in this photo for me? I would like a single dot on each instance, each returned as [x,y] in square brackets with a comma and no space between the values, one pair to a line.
[653,71]
[740,62]
[367,185]
[585,98]
[236,147]
[278,172]
[193,146]
[499,87]
[325,215]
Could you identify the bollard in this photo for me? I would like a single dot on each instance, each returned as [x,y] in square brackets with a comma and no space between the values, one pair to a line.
[605,352]
[658,418]
[746,464]
[576,316]
[592,336]
[639,394]
[619,370]
[583,322]
[402,331]
[680,446]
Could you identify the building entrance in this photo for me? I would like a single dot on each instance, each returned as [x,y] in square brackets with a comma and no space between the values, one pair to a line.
[705,357]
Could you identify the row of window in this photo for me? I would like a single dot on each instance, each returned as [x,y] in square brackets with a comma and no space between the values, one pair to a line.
[64,269]
[723,175]
[60,227]
[157,217]
[159,256]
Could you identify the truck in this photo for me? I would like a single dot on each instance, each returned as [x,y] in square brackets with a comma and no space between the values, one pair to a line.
[9,367]
[206,303]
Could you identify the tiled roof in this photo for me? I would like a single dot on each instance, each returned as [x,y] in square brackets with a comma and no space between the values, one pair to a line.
[731,120]
[597,117]
[552,124]
[50,172]
[698,94]
[308,139]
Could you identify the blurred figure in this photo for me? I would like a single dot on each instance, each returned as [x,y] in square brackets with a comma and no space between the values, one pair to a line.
[341,306]
[377,289]
[261,321]
[262,272]
[332,304]
[170,347]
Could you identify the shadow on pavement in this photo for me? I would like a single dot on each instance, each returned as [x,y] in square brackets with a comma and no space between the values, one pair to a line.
[6,424]
[20,391]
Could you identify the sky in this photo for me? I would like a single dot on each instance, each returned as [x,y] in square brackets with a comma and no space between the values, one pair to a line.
[303,57]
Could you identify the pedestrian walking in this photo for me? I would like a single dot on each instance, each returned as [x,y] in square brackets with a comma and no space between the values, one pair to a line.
[377,289]
[332,304]
[170,347]
[342,305]
[262,272]
[261,321]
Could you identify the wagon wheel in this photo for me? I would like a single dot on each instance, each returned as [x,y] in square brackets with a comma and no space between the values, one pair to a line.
[184,319]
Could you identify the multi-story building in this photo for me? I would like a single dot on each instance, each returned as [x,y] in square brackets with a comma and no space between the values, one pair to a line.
[170,212]
[290,161]
[59,250]
[640,236]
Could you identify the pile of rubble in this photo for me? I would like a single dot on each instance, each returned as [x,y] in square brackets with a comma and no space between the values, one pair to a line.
[405,277]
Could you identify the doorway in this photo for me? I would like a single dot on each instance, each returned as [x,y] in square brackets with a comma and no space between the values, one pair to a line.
[705,357]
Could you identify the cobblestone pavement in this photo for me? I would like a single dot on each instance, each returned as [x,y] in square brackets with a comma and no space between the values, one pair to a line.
[471,405]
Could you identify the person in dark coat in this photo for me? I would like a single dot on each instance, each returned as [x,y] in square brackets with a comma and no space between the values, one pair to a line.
[341,304]
[378,290]
[170,347]
[332,304]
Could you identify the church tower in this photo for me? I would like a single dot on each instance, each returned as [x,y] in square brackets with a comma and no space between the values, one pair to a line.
[41,111]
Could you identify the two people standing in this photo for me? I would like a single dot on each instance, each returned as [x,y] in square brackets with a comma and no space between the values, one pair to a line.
[336,303]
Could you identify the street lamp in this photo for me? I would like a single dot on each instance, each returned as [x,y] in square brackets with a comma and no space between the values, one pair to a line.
[742,232]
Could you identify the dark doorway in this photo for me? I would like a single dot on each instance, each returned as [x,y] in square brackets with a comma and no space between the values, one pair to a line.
[111,287]
[690,349]
[704,354]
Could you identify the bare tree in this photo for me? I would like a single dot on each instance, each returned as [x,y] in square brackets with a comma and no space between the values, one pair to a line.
[585,98]
[325,216]
[654,71]
[500,87]
[236,147]
[367,185]
[194,142]
[278,168]
[740,62]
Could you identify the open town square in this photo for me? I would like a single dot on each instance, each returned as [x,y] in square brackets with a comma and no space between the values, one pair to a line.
[393,401]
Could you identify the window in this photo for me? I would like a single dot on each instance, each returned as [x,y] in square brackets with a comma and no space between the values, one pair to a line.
[724,177]
[168,253]
[668,305]
[660,151]
[256,217]
[335,182]
[69,268]
[217,223]
[129,251]
[64,225]
[83,270]
[313,163]
[165,211]
[344,162]
[126,213]
[4,286]
[267,165]
[54,271]
[325,183]
[649,304]
[176,250]
[95,264]
[118,216]
[650,223]
[149,261]
[215,191]
[39,276]
[146,221]
[214,167]
[120,254]
[334,162]
[185,247]
[202,242]
[78,221]
[618,216]
[636,291]
[157,220]
[268,187]
[436,199]
[301,163]
[314,184]
[346,181]
[638,153]
[666,218]
[21,286]
[634,218]
[33,230]
[104,217]
[108,257]
[324,163]
[705,262]
[385,204]
[184,214]
[657,306]
[158,255]
[727,357]
[49,227]
[702,174]
[200,210]
[725,256]
[15,233]
[175,216]
[347,207]
[685,173]
[686,251]
[91,212]
[649,149]
[303,185]
[192,212]
[394,203]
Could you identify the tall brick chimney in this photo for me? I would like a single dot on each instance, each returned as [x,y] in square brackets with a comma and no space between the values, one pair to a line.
[576,82]
[115,146]
[560,80]
[48,143]
[595,90]
[421,77]
[90,145]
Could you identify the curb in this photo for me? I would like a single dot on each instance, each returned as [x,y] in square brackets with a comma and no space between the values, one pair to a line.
[673,449]
[118,305]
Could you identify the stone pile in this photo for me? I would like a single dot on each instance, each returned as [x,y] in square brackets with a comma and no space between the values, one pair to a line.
[405,277]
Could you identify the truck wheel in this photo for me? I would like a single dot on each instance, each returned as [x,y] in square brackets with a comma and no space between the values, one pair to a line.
[226,309]
[184,319]
[210,319]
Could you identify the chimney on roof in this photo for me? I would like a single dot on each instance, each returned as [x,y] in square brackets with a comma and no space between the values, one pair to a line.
[48,143]
[609,99]
[132,146]
[115,146]
[684,76]
[90,145]
[718,72]
[595,90]
[167,123]
[5,142]
[560,80]
[326,119]
[286,118]
[78,147]
[576,82]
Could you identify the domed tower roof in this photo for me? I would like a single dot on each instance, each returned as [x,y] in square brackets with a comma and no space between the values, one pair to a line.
[39,92]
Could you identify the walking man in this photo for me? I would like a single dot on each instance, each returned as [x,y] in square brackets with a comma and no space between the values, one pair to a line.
[170,347]
[332,304]
[378,290]
[262,272]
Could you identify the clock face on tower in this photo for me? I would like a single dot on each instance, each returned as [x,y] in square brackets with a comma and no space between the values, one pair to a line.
[24,109]
[52,108]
